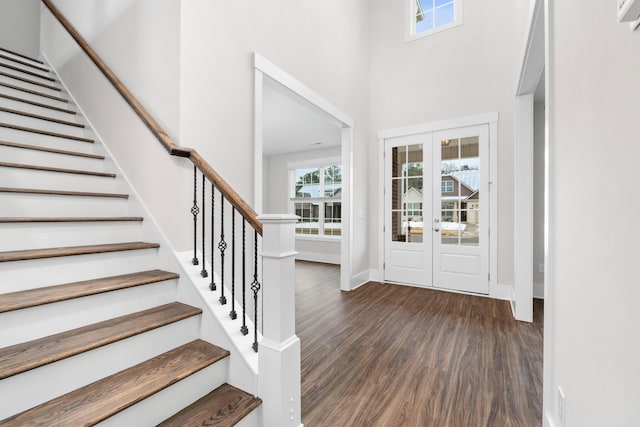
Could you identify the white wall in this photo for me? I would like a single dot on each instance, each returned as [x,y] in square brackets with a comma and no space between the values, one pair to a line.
[276,200]
[140,41]
[20,26]
[324,45]
[592,347]
[467,70]
[162,181]
[538,197]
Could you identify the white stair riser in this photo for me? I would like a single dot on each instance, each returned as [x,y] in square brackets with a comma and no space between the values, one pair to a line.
[18,62]
[23,236]
[31,138]
[22,275]
[37,322]
[33,97]
[155,409]
[29,178]
[31,86]
[71,373]
[42,111]
[18,204]
[37,157]
[31,122]
[23,59]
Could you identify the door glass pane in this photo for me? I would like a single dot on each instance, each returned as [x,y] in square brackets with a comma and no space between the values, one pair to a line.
[469,179]
[397,193]
[398,160]
[460,196]
[398,232]
[407,193]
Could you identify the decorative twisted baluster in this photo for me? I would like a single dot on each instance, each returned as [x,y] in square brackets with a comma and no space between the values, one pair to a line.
[222,246]
[195,211]
[233,313]
[244,328]
[212,285]
[255,287]
[203,273]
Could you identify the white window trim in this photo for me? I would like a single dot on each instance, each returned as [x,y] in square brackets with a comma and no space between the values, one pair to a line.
[313,163]
[410,21]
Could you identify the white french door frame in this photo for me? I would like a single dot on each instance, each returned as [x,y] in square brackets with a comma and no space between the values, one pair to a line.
[263,67]
[490,119]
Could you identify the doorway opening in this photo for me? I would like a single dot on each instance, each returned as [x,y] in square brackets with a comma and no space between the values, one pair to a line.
[303,158]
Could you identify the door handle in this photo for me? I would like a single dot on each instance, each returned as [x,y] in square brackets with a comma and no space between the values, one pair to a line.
[436,229]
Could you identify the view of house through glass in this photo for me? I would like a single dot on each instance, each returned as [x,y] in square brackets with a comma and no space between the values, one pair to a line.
[460,196]
[316,200]
[407,176]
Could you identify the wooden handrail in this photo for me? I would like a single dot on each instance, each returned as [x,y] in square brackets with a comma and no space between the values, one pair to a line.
[167,142]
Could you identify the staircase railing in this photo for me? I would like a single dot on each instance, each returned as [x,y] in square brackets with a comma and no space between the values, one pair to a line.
[218,187]
[279,357]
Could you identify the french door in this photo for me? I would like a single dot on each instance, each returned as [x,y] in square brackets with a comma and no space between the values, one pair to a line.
[436,209]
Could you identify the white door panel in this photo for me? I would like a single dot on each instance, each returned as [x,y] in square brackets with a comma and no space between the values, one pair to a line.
[460,201]
[407,245]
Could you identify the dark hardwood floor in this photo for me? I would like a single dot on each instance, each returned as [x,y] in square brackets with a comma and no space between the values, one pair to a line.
[389,355]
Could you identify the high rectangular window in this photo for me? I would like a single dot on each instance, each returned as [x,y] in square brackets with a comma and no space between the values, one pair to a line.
[430,16]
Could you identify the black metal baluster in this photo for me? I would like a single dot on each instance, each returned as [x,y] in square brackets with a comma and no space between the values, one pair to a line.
[233,313]
[194,211]
[212,285]
[244,328]
[222,246]
[255,287]
[203,273]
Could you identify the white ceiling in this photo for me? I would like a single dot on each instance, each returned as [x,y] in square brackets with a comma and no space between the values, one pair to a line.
[292,124]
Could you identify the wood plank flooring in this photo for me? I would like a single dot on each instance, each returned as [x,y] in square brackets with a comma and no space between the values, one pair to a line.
[389,355]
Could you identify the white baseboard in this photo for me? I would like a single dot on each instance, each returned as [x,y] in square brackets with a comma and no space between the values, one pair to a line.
[360,279]
[538,290]
[318,257]
[376,275]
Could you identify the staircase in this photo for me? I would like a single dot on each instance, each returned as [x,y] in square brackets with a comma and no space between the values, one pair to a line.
[92,331]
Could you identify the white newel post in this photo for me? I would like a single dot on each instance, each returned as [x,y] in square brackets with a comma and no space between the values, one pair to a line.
[279,349]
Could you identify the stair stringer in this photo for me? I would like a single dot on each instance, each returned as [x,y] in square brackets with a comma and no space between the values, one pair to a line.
[215,325]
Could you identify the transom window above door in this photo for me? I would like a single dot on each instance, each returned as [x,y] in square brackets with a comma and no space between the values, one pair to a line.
[430,16]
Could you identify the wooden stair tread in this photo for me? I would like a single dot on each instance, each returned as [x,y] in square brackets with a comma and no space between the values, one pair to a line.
[51,294]
[51,150]
[61,170]
[29,254]
[45,132]
[33,92]
[21,55]
[28,72]
[224,406]
[18,61]
[23,357]
[39,117]
[61,192]
[37,104]
[98,401]
[36,219]
[30,81]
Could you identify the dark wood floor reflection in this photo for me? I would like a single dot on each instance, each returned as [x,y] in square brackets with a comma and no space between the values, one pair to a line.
[388,355]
